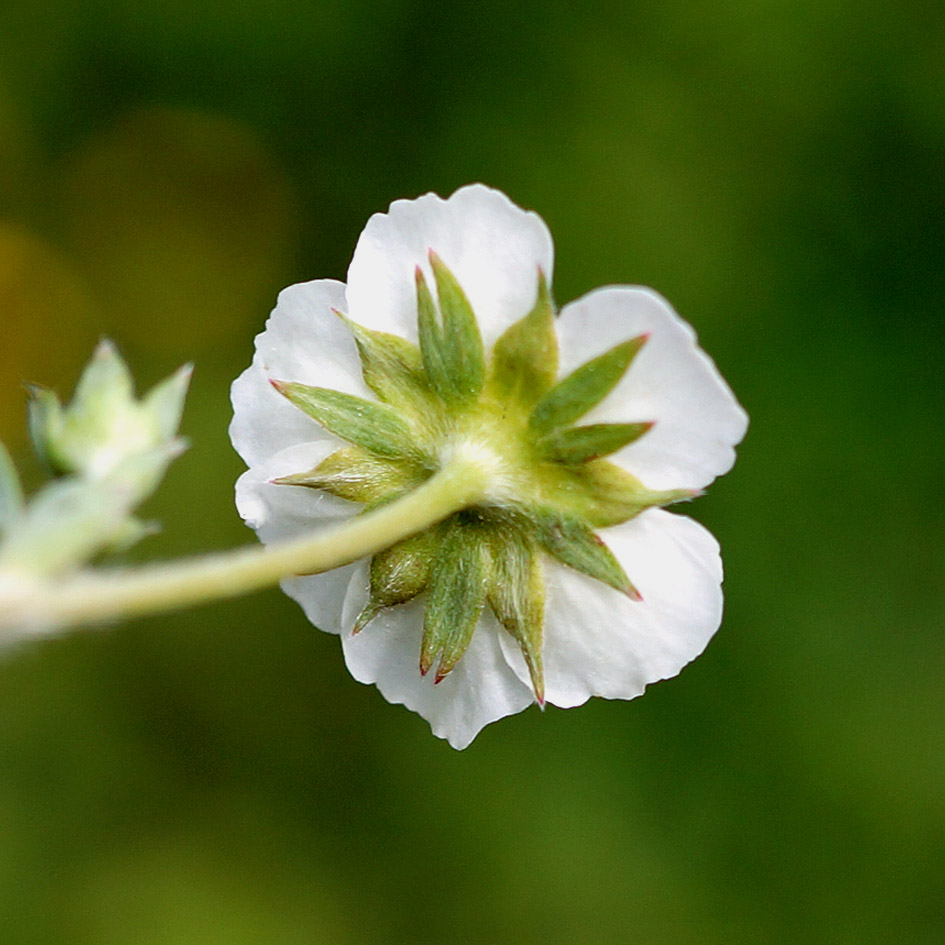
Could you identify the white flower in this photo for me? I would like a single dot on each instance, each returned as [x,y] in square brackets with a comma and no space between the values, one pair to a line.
[678,424]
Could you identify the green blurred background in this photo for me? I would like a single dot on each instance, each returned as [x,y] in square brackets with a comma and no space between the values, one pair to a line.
[778,171]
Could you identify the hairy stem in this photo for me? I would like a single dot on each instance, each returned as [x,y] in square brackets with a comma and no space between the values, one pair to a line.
[31,605]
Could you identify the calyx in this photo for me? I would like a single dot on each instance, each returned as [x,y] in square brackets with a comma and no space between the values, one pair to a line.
[556,488]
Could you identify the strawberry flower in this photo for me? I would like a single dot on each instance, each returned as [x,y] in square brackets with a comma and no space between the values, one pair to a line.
[568,578]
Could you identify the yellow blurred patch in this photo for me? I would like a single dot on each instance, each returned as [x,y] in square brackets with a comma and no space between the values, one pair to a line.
[182,222]
[46,325]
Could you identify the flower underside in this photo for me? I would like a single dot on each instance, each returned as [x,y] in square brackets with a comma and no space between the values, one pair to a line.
[551,493]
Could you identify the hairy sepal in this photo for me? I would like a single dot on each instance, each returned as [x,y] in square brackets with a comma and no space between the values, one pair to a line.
[391,366]
[580,444]
[457,595]
[375,427]
[573,543]
[450,343]
[355,474]
[516,594]
[398,574]
[525,358]
[583,388]
[600,493]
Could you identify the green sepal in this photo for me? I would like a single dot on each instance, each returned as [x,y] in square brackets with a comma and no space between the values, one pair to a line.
[398,574]
[45,419]
[462,344]
[584,388]
[11,492]
[525,358]
[601,493]
[457,595]
[391,366]
[102,417]
[581,444]
[165,401]
[131,531]
[355,474]
[142,472]
[105,383]
[516,593]
[573,543]
[65,524]
[373,426]
[450,345]
[430,334]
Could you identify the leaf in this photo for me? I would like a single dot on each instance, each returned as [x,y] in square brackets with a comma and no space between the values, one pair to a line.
[516,594]
[584,388]
[580,444]
[457,594]
[11,492]
[525,358]
[375,427]
[398,574]
[574,544]
[391,366]
[355,474]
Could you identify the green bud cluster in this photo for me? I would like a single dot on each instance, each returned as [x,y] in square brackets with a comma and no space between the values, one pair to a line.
[553,491]
[105,425]
[109,452]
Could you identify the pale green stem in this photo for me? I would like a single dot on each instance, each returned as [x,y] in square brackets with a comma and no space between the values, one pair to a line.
[29,605]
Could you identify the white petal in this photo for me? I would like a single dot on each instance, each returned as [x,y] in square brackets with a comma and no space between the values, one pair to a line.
[481,689]
[278,513]
[600,643]
[493,247]
[671,381]
[303,341]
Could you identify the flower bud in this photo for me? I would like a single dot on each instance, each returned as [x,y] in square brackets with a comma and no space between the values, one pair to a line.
[105,426]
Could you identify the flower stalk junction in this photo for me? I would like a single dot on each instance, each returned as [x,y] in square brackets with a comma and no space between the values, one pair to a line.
[33,603]
[464,483]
